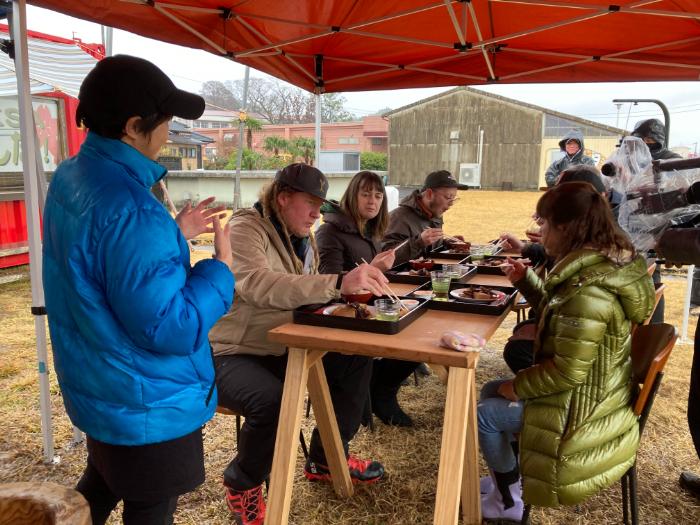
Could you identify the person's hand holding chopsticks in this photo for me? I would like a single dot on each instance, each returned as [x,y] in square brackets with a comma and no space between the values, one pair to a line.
[514,269]
[364,277]
[384,260]
[430,236]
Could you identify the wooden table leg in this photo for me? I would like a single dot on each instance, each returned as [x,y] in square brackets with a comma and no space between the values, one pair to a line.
[441,371]
[285,458]
[471,498]
[328,430]
[454,437]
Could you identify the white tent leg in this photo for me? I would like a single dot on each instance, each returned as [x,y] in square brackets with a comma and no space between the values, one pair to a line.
[686,304]
[18,28]
[317,130]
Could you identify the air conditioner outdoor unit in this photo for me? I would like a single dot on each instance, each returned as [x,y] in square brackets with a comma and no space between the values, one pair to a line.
[470,174]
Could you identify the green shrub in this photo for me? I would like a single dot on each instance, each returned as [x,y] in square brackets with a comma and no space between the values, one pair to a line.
[373,161]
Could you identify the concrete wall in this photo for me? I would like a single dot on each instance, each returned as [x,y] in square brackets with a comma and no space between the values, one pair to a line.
[198,185]
[419,140]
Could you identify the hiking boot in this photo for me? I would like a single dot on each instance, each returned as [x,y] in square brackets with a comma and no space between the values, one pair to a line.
[503,504]
[386,407]
[247,506]
[690,483]
[361,470]
[424,370]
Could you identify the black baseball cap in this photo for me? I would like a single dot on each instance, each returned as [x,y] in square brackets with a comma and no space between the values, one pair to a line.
[123,86]
[442,179]
[303,177]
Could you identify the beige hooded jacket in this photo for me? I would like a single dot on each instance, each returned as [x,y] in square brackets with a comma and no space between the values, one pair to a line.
[268,288]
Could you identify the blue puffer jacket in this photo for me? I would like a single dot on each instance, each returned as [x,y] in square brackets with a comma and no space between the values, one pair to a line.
[128,316]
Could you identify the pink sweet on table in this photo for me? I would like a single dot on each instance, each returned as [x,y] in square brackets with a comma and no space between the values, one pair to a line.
[462,342]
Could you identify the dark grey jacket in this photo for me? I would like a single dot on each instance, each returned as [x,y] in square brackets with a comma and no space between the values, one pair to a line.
[407,222]
[654,129]
[560,165]
[340,244]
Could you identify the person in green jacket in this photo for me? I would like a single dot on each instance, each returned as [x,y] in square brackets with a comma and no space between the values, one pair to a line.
[573,407]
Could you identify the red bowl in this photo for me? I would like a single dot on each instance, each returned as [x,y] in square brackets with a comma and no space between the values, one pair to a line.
[419,265]
[362,296]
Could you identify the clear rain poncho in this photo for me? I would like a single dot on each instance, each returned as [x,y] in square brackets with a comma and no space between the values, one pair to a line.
[649,202]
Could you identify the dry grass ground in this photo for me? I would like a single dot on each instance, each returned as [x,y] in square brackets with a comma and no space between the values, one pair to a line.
[410,456]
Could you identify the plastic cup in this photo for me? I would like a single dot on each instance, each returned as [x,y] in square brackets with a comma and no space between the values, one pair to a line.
[387,310]
[440,282]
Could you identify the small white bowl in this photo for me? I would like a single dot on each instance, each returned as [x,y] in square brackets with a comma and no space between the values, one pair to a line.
[410,303]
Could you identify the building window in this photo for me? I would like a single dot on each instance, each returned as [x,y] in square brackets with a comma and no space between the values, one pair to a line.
[557,127]
[378,141]
[348,140]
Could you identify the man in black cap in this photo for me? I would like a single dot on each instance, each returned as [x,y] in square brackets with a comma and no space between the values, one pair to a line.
[419,216]
[275,261]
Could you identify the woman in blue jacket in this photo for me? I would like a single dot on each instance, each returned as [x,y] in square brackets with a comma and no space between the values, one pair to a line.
[128,315]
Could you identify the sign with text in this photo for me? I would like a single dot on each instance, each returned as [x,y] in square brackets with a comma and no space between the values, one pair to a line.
[46,113]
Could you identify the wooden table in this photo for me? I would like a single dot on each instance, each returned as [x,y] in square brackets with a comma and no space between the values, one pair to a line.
[418,342]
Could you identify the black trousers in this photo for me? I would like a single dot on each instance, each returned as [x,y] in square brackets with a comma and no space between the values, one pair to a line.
[252,386]
[658,315]
[102,502]
[388,374]
[694,394]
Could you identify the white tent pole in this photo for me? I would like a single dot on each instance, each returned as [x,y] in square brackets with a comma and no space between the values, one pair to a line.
[686,304]
[317,129]
[18,28]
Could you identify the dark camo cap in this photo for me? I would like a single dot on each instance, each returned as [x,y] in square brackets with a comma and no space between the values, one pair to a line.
[303,177]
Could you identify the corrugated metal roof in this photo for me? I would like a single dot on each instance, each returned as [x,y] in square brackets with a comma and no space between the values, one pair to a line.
[52,66]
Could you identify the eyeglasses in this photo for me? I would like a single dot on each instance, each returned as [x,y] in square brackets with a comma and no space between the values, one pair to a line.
[447,198]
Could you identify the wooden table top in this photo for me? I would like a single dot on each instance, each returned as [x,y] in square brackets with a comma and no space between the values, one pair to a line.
[488,280]
[417,342]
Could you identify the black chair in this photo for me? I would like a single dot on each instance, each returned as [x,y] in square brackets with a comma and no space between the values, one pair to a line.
[651,348]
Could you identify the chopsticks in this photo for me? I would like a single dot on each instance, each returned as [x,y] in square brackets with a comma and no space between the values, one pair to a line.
[453,239]
[400,245]
[388,290]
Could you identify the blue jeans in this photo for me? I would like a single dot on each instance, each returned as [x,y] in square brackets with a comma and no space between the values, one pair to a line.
[498,419]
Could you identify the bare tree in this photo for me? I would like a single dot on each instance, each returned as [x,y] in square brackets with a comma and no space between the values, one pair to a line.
[218,94]
[281,103]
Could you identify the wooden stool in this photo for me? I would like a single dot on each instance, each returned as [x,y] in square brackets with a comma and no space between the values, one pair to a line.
[42,503]
[519,307]
[227,412]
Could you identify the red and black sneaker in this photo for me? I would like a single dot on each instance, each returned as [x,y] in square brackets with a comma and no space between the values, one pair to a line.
[247,506]
[361,470]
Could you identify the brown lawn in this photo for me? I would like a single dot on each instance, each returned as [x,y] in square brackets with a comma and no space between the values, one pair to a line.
[410,456]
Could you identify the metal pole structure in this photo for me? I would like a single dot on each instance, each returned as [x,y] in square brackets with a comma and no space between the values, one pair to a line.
[107,39]
[686,304]
[241,130]
[664,110]
[317,129]
[18,30]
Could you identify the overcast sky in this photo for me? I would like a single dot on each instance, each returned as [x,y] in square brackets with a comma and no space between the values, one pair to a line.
[189,68]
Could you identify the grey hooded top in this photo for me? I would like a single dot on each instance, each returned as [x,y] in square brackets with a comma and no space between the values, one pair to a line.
[567,160]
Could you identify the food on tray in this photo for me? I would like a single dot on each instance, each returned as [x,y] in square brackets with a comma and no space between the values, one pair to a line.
[478,294]
[356,310]
[457,246]
[421,263]
[494,263]
[423,293]
[422,272]
[462,342]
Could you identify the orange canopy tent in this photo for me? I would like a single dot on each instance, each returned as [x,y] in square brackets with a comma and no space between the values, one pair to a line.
[351,45]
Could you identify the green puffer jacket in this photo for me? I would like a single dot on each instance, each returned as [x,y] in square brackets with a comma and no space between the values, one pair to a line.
[579,432]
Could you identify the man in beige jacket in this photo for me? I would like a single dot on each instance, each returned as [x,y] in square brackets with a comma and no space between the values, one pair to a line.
[275,263]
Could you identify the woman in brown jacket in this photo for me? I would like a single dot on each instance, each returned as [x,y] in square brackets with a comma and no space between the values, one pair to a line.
[352,232]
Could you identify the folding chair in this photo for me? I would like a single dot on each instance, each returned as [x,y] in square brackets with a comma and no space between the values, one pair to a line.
[651,348]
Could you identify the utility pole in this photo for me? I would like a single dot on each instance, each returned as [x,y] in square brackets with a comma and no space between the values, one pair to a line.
[242,117]
[617,119]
